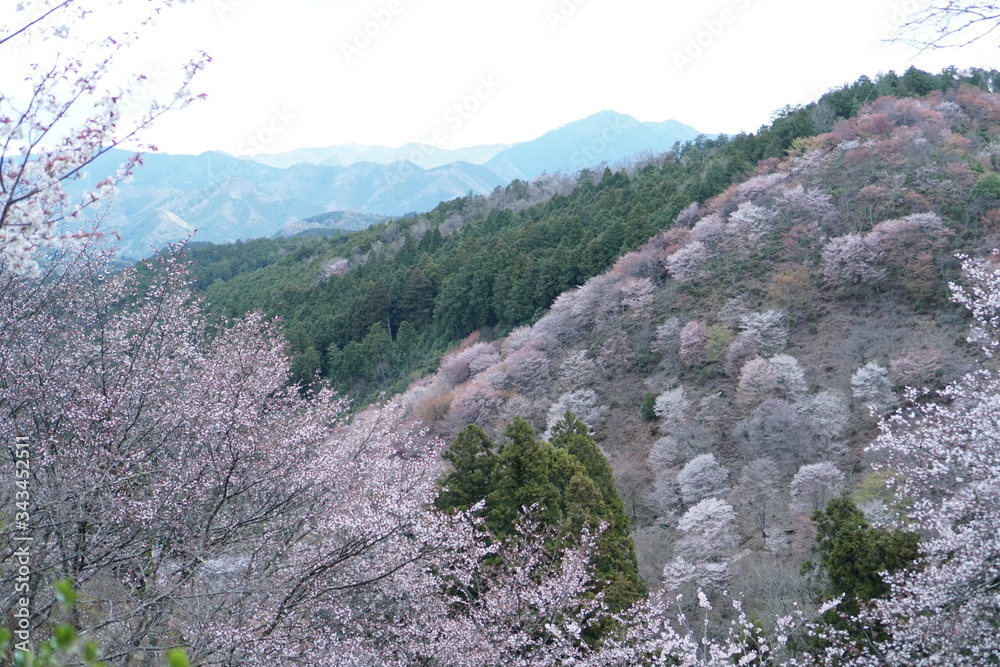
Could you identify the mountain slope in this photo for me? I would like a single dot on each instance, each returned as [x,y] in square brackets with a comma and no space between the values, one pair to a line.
[425,155]
[603,137]
[226,198]
[733,366]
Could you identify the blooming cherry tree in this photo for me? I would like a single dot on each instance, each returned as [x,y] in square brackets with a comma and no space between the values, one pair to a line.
[945,462]
[48,135]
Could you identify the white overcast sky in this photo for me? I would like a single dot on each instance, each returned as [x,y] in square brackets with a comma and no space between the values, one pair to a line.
[518,67]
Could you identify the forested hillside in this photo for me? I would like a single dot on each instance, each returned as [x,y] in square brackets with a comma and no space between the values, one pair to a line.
[371,311]
[734,366]
[733,405]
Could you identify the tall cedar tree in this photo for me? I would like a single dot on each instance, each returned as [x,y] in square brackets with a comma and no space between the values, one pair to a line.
[854,555]
[569,484]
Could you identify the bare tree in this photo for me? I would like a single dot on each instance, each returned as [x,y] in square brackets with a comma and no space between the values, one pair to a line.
[949,24]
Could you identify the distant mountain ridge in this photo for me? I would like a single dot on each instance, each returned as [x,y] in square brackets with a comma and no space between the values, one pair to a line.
[226,198]
[425,155]
[605,136]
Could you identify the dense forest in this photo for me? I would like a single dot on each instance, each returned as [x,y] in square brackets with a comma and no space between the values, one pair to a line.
[371,311]
[734,404]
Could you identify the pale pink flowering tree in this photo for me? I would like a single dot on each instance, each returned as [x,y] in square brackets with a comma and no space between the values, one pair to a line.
[709,230]
[791,377]
[850,261]
[743,348]
[871,386]
[687,264]
[161,455]
[758,381]
[752,222]
[670,406]
[814,485]
[577,371]
[769,328]
[60,122]
[702,477]
[945,463]
[691,342]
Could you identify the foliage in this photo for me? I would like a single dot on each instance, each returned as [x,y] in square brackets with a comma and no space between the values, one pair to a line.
[855,555]
[58,124]
[65,646]
[566,486]
[519,248]
[647,407]
[178,481]
[943,460]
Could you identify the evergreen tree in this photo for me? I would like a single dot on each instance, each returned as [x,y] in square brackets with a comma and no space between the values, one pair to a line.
[567,484]
[854,555]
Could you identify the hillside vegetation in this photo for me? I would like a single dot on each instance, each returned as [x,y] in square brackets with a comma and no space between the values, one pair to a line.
[373,310]
[733,367]
[670,423]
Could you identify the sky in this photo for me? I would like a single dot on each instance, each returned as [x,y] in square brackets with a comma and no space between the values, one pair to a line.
[311,73]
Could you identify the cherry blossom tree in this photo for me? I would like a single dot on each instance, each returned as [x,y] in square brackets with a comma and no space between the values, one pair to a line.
[814,484]
[162,481]
[827,415]
[664,453]
[702,477]
[871,386]
[63,119]
[768,328]
[943,459]
[758,381]
[582,402]
[850,261]
[791,377]
[754,222]
[671,405]
[708,539]
[687,264]
[692,342]
[742,349]
[577,370]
